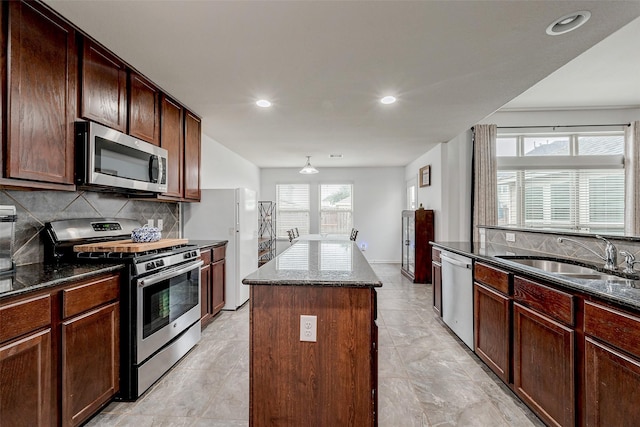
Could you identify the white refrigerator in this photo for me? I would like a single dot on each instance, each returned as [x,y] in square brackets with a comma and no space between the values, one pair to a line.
[228,214]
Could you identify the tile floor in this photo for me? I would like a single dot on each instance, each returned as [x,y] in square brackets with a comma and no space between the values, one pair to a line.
[427,377]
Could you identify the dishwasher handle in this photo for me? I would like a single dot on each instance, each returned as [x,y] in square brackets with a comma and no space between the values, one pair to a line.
[455,261]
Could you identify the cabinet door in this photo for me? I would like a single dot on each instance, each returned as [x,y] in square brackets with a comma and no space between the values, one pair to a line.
[437,287]
[172,141]
[90,362]
[217,286]
[25,381]
[192,141]
[205,292]
[492,330]
[612,384]
[42,103]
[544,366]
[144,109]
[104,87]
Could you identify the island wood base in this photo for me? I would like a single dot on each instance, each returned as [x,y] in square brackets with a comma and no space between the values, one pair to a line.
[331,382]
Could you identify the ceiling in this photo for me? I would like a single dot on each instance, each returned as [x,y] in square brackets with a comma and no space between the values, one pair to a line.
[325,64]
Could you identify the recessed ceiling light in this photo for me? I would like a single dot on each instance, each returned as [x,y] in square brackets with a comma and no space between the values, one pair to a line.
[388,99]
[568,22]
[263,103]
[335,156]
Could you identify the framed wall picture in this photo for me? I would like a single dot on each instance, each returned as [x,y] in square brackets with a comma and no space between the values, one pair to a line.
[425,176]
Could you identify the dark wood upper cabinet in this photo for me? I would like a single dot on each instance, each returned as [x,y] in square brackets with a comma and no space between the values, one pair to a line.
[104,87]
[172,141]
[144,109]
[192,137]
[42,91]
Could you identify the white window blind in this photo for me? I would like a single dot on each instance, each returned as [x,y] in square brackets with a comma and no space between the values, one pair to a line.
[336,208]
[292,201]
[563,182]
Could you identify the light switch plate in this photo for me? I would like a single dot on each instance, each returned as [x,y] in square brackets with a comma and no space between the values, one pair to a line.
[308,328]
[510,237]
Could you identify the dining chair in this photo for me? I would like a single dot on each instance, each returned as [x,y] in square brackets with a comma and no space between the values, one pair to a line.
[354,234]
[296,233]
[290,234]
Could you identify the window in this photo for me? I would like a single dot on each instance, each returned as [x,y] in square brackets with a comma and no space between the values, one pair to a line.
[562,181]
[292,201]
[336,208]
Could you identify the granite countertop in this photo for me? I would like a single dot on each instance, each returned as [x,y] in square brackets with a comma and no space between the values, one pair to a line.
[208,243]
[33,277]
[623,291]
[317,263]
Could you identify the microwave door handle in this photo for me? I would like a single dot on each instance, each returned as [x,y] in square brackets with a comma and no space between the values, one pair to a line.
[154,165]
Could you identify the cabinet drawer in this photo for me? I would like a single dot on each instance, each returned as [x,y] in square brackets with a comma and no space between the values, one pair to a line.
[435,255]
[90,294]
[555,304]
[205,255]
[24,316]
[615,327]
[219,253]
[492,276]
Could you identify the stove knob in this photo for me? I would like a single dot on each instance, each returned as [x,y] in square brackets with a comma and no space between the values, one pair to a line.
[160,263]
[194,254]
[187,255]
[150,265]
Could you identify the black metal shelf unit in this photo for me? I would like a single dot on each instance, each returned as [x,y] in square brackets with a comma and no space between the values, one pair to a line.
[266,232]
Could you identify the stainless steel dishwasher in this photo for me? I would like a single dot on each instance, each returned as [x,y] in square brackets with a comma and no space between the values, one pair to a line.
[457,295]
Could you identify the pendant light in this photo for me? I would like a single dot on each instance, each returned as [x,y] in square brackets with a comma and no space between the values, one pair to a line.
[308,169]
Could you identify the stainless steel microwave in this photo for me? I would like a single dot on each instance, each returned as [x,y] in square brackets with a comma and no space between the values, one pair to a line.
[110,159]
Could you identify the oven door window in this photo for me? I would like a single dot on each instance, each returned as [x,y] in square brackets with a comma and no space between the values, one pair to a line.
[119,160]
[165,301]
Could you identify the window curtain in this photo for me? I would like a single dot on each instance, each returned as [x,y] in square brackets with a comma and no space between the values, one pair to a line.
[632,179]
[485,179]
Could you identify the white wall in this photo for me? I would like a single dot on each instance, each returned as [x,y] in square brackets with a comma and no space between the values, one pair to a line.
[378,199]
[222,168]
[449,194]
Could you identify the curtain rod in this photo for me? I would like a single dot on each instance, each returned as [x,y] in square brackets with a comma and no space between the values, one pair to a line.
[562,126]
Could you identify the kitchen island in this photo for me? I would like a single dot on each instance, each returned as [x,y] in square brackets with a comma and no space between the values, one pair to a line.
[313,337]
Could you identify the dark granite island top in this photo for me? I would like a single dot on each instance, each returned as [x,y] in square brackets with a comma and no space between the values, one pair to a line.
[313,337]
[334,263]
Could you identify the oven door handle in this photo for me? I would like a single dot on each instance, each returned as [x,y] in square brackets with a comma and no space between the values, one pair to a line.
[167,274]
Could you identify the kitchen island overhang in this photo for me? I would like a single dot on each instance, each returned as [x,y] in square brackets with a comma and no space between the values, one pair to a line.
[329,381]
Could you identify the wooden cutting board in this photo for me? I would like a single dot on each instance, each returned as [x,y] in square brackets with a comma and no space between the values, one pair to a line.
[128,246]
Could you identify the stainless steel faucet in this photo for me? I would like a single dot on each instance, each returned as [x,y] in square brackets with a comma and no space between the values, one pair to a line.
[610,257]
[629,262]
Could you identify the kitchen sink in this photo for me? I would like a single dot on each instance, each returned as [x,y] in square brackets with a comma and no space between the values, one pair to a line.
[564,268]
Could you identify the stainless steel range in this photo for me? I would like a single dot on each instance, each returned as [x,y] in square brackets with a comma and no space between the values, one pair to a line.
[160,296]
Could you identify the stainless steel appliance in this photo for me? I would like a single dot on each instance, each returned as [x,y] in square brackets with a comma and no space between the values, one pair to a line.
[111,159]
[159,298]
[457,295]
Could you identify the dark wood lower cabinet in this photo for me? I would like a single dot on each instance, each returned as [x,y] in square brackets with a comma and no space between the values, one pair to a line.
[492,330]
[90,362]
[60,353]
[612,386]
[25,381]
[436,273]
[212,281]
[544,366]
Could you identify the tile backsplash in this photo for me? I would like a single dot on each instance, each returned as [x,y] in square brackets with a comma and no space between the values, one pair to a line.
[35,208]
[547,243]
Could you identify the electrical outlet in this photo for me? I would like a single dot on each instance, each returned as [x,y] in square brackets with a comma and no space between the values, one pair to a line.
[510,237]
[150,222]
[160,224]
[308,328]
